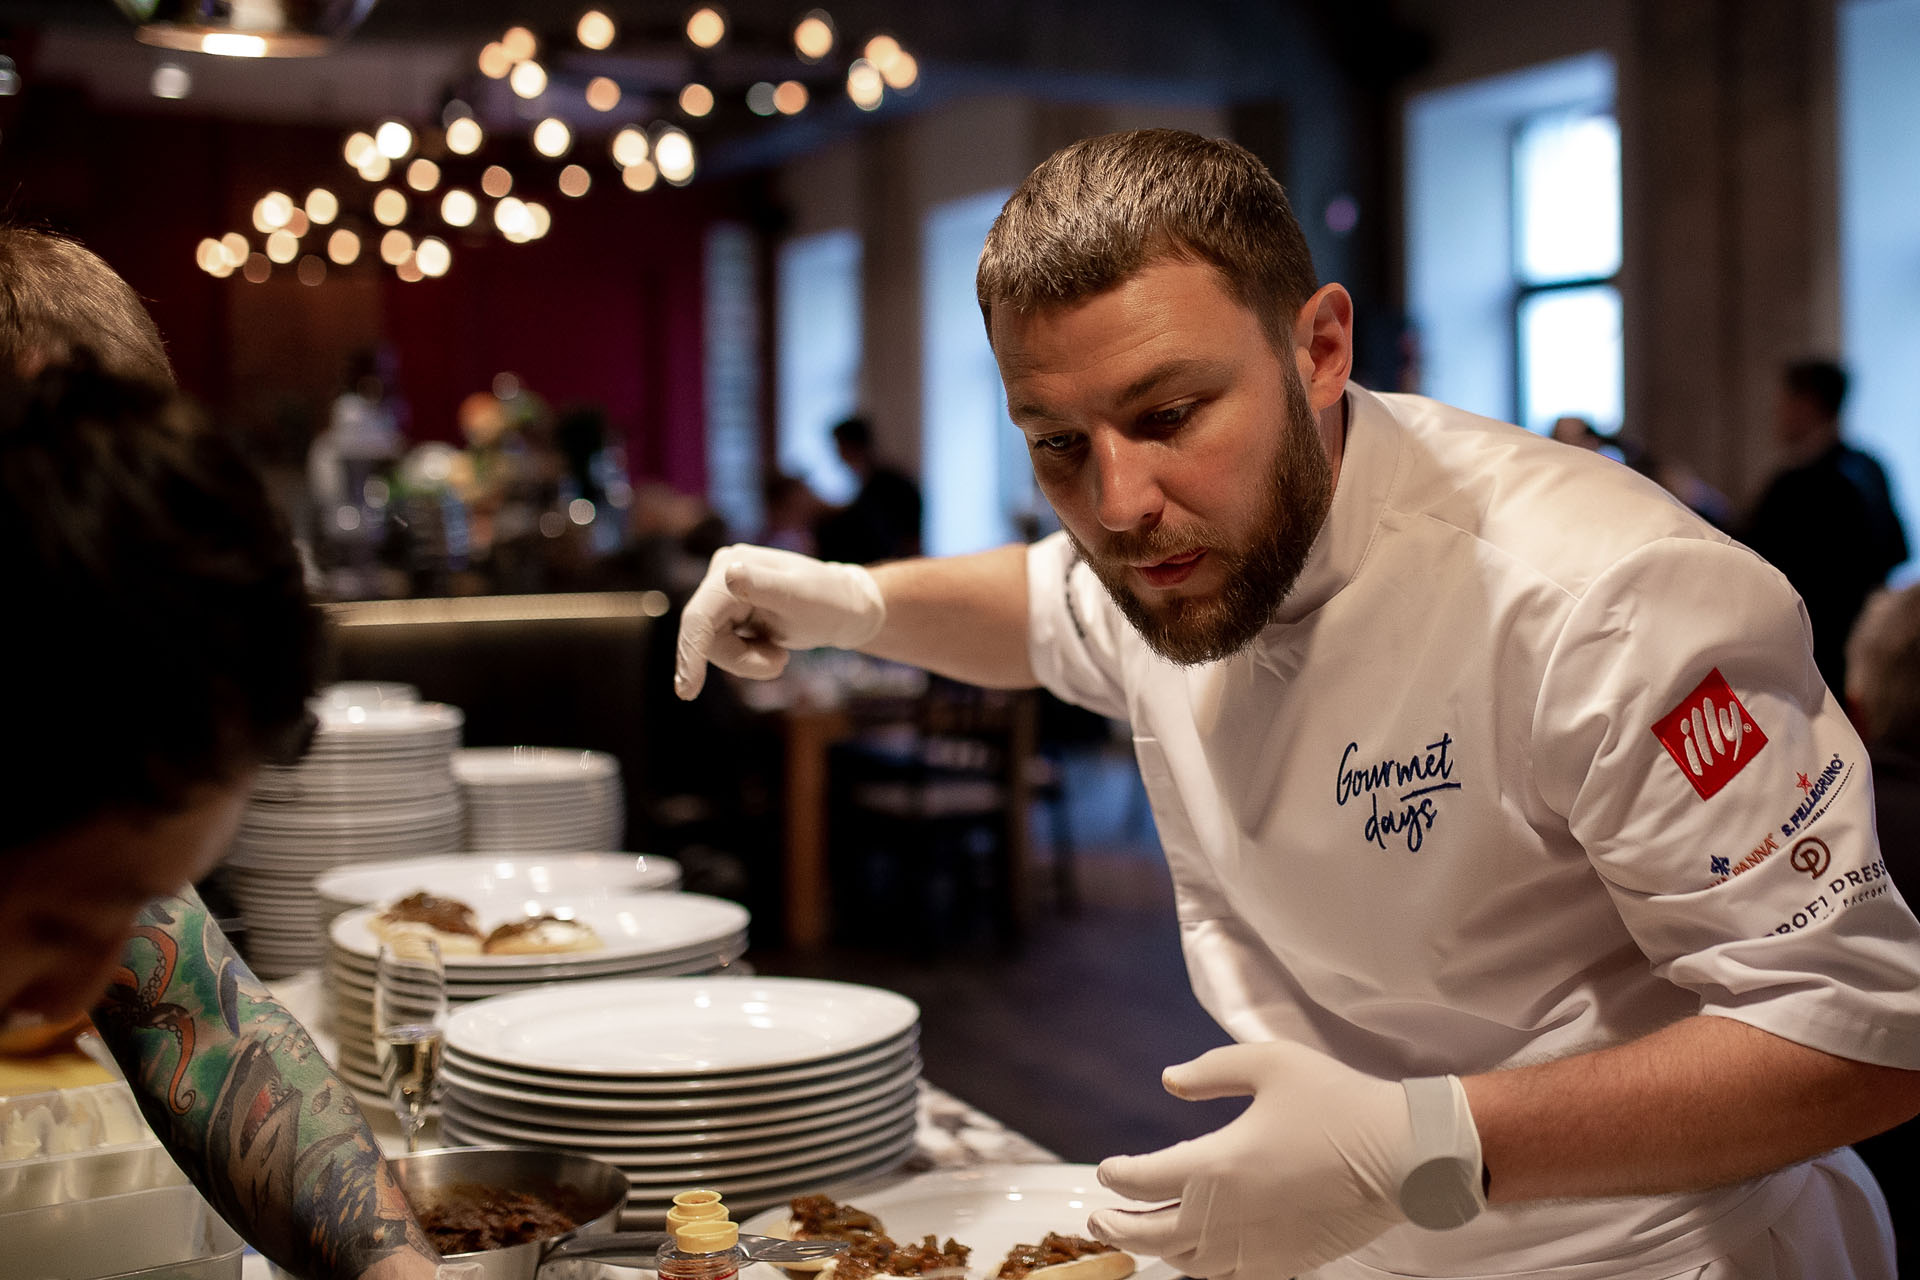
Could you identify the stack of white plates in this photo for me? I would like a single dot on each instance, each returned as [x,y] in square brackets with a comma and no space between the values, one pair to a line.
[531,798]
[494,884]
[377,783]
[760,1088]
[643,934]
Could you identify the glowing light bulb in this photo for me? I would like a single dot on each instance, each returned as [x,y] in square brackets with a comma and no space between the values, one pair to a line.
[595,30]
[423,174]
[343,246]
[433,256]
[551,137]
[706,27]
[389,207]
[519,43]
[813,36]
[458,208]
[529,79]
[575,181]
[464,136]
[603,94]
[696,100]
[790,99]
[322,205]
[864,84]
[393,139]
[629,147]
[673,152]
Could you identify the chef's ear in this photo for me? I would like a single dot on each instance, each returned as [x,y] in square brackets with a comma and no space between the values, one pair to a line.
[1323,345]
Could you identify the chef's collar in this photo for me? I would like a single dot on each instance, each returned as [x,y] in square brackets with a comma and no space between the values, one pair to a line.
[1367,462]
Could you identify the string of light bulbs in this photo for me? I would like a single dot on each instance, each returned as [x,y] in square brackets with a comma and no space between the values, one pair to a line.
[412,196]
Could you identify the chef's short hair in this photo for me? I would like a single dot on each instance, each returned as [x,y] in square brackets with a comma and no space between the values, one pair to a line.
[157,615]
[1098,211]
[1883,667]
[57,296]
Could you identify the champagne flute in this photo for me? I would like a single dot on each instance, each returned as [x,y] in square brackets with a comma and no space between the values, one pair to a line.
[409,1026]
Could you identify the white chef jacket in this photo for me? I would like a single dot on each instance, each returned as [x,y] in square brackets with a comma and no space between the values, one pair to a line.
[1531,761]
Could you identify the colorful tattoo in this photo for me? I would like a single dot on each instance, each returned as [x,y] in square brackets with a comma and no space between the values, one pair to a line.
[245,1103]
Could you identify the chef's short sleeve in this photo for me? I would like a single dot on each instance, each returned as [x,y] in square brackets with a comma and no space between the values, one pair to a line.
[1723,797]
[1075,634]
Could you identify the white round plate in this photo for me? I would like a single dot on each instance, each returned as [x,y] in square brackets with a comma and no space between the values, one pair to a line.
[514,1077]
[511,766]
[358,983]
[637,924]
[989,1209]
[872,1111]
[480,880]
[648,1204]
[680,1026]
[892,1071]
[636,1121]
[896,1145]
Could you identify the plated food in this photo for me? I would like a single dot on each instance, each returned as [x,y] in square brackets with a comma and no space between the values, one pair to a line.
[455,927]
[1056,1256]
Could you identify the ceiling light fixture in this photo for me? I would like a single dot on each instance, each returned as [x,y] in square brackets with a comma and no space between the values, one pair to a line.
[245,30]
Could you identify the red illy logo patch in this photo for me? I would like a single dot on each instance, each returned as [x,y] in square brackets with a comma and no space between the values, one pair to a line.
[1710,735]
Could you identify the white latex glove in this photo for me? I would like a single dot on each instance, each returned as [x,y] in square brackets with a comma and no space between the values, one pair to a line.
[758,602]
[1309,1172]
[460,1271]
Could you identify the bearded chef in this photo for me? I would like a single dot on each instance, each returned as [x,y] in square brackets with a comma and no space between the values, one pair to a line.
[1514,835]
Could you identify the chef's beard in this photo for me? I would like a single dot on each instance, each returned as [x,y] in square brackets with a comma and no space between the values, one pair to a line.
[1191,630]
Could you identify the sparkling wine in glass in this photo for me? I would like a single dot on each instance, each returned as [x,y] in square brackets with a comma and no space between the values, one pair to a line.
[409,1026]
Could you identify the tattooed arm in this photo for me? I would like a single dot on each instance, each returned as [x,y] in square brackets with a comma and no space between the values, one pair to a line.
[243,1101]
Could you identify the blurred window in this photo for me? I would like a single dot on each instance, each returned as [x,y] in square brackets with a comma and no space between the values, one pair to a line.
[979,481]
[1880,240]
[1513,197]
[1566,237]
[817,363]
[733,376]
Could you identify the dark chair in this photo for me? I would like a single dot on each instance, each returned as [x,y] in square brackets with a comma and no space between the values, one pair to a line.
[929,819]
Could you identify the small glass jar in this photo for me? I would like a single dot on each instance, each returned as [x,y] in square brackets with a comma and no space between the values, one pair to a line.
[702,1249]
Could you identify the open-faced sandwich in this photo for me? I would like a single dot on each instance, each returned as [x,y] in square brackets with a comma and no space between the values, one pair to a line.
[874,1255]
[1059,1257]
[541,935]
[452,922]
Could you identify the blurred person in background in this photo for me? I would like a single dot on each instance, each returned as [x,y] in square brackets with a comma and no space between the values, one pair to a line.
[793,510]
[166,647]
[1827,520]
[1676,478]
[1482,769]
[883,520]
[1883,695]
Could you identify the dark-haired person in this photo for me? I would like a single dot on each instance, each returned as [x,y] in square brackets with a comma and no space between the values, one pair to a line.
[162,647]
[1826,520]
[1512,830]
[883,520]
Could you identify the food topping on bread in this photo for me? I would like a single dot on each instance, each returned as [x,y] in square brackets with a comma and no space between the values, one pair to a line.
[539,935]
[448,915]
[823,1218]
[875,1255]
[1052,1250]
[447,922]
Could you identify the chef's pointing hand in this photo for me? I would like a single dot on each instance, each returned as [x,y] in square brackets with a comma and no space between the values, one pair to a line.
[1316,1166]
[758,602]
